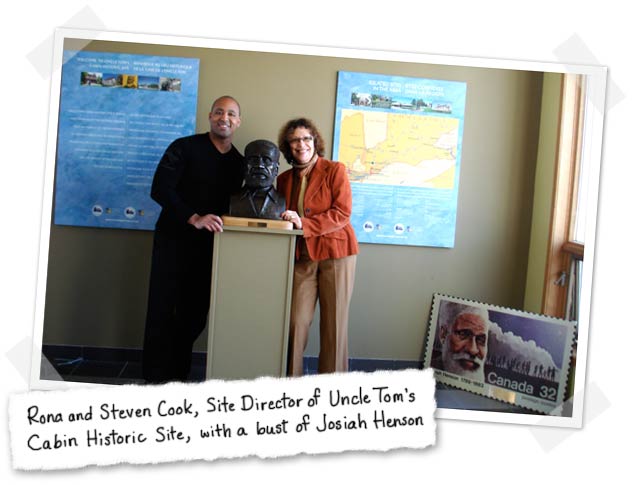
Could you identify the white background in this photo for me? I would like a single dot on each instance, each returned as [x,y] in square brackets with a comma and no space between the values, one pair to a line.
[468,451]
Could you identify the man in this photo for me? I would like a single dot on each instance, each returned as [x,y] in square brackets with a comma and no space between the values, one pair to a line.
[192,183]
[258,198]
[463,335]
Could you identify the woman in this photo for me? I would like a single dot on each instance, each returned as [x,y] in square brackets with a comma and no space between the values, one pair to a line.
[318,198]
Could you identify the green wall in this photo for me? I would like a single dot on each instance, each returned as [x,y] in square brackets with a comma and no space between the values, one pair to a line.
[97,278]
[543,191]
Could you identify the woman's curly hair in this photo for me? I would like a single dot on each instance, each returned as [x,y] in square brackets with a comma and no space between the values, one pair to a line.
[289,127]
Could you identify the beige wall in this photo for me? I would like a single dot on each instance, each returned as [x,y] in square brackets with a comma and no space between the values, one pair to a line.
[97,281]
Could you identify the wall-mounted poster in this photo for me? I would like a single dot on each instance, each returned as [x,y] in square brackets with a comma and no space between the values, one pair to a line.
[118,113]
[400,138]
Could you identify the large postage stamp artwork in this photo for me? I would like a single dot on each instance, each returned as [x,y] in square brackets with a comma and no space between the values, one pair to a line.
[514,356]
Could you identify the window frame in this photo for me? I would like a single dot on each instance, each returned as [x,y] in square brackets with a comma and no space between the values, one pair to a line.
[562,248]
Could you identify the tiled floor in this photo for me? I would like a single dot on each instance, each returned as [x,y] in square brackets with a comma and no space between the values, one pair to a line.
[122,366]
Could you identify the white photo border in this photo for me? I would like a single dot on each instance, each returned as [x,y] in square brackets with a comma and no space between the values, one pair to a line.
[594,116]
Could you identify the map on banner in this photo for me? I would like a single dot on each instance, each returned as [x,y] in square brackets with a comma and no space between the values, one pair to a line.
[400,139]
[118,113]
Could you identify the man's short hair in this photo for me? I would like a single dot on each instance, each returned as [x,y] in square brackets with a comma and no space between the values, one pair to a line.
[226,96]
[451,311]
[267,143]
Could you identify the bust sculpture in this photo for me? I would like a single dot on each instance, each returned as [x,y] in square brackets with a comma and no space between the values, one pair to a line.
[258,198]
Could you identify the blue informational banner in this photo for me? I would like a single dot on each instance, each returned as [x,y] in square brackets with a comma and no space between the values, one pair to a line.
[118,113]
[400,139]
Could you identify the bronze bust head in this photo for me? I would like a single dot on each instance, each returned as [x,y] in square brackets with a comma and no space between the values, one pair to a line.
[258,198]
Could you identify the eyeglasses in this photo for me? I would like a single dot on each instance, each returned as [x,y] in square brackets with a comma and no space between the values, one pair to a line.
[304,139]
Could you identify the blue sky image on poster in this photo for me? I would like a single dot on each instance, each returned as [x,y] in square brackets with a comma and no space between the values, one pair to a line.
[400,139]
[118,113]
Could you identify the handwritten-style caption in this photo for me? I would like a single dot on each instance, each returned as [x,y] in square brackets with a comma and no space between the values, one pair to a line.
[222,419]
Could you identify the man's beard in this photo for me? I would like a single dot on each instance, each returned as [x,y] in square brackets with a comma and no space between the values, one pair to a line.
[451,364]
